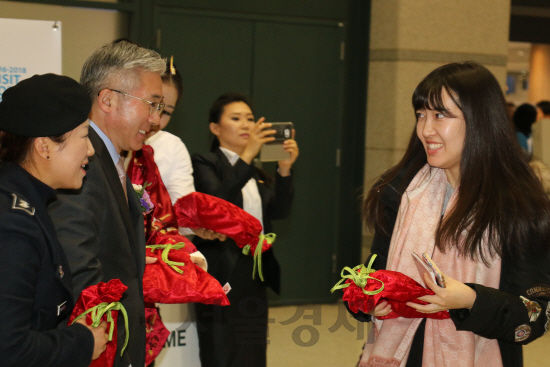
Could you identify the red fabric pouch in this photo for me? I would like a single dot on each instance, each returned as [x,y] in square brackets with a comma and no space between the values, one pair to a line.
[199,210]
[156,334]
[161,220]
[173,278]
[99,303]
[364,288]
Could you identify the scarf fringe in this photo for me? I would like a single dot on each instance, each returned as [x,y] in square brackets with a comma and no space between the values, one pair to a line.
[379,361]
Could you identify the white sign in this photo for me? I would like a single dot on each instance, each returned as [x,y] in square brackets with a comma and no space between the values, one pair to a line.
[28,47]
[182,346]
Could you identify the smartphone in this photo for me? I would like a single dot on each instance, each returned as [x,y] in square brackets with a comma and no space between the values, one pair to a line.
[424,264]
[440,280]
[274,150]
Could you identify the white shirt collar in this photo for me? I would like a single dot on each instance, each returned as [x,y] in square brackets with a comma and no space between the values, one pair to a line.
[232,157]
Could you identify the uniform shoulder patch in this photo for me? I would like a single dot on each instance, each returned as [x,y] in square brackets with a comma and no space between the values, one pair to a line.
[533,308]
[20,204]
[522,332]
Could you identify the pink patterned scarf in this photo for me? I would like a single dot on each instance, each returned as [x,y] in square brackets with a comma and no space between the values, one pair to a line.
[389,342]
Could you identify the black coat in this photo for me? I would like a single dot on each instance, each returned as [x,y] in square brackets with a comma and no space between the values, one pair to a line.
[215,176]
[104,239]
[236,335]
[497,313]
[36,287]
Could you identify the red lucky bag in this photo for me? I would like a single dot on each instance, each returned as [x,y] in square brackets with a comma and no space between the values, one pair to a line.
[158,213]
[98,303]
[165,281]
[199,210]
[173,278]
[156,334]
[364,288]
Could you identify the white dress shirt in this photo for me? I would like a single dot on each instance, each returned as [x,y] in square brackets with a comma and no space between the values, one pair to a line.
[252,201]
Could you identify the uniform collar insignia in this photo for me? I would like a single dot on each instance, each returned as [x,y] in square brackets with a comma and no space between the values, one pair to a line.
[20,204]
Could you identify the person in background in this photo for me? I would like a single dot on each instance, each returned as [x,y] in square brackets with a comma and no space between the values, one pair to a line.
[510,109]
[236,335]
[463,193]
[171,155]
[101,226]
[540,169]
[524,118]
[543,110]
[44,146]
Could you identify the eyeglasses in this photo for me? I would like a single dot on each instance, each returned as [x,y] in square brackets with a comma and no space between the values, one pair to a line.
[155,106]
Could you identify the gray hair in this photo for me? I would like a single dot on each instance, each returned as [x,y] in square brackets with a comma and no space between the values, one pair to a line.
[119,64]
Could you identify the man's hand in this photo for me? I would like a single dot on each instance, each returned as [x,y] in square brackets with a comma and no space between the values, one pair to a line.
[100,337]
[209,234]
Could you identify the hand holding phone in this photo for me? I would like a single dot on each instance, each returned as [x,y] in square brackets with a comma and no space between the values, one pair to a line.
[274,150]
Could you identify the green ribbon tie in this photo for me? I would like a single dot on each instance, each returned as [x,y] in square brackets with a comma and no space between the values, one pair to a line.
[359,278]
[164,256]
[101,309]
[269,238]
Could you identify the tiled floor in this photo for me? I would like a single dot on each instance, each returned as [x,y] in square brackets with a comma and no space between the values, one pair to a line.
[326,336]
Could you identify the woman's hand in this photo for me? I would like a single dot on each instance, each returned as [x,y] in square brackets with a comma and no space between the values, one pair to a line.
[100,337]
[290,147]
[456,295]
[381,309]
[258,136]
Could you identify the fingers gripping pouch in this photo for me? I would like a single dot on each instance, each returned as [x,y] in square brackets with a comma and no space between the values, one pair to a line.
[199,210]
[364,288]
[99,303]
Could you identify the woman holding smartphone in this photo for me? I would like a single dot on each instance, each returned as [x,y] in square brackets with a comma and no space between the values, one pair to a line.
[44,146]
[463,193]
[236,335]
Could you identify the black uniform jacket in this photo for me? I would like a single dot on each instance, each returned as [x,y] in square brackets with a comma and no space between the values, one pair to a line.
[497,313]
[215,176]
[36,287]
[104,239]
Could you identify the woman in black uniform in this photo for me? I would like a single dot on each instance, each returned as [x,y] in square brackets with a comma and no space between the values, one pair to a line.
[44,146]
[236,335]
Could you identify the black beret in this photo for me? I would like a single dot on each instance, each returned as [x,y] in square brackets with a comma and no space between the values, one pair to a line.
[44,105]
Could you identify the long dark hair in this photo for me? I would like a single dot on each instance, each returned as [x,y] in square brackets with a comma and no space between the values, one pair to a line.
[216,111]
[499,193]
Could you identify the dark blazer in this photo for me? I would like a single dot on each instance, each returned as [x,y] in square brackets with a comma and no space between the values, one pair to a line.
[36,287]
[103,238]
[215,176]
[497,313]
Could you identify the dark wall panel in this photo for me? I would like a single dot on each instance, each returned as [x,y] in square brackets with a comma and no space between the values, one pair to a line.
[330,9]
[529,29]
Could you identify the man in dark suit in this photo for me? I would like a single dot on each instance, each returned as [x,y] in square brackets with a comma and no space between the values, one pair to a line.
[100,226]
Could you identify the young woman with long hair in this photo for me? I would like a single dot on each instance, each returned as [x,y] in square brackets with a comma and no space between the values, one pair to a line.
[465,194]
